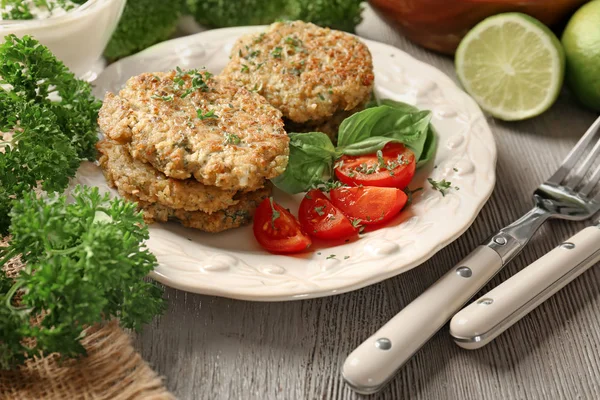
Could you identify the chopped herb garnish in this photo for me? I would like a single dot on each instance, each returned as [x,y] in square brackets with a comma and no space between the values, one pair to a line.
[331,256]
[346,257]
[231,138]
[276,53]
[441,186]
[209,114]
[164,98]
[259,38]
[198,80]
[276,214]
[319,210]
[321,97]
[328,186]
[293,41]
[259,65]
[245,69]
[455,169]
[252,54]
[355,222]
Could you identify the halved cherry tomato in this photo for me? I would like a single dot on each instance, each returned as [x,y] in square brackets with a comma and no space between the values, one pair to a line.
[372,205]
[276,229]
[322,219]
[395,168]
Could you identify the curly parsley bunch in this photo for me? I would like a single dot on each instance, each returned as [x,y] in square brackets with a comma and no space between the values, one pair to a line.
[85,261]
[47,122]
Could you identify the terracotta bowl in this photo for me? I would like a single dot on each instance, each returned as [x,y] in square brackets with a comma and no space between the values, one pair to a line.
[440,24]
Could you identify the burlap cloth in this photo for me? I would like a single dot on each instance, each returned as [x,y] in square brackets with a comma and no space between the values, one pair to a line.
[111,370]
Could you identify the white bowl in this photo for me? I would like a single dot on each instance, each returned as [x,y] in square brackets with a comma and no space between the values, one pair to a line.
[78,37]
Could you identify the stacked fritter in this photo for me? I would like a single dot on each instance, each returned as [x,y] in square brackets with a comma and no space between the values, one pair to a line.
[189,146]
[315,76]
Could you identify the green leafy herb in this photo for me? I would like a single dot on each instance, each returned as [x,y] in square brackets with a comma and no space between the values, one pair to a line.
[370,130]
[231,138]
[259,38]
[245,68]
[441,186]
[311,156]
[85,261]
[276,53]
[275,214]
[164,98]
[355,222]
[198,80]
[319,210]
[292,41]
[328,186]
[205,115]
[52,117]
[331,256]
[365,132]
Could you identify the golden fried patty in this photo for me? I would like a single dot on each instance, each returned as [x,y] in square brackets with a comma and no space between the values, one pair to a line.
[229,218]
[133,177]
[188,123]
[307,72]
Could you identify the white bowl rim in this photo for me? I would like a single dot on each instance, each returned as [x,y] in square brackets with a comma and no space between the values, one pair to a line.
[81,11]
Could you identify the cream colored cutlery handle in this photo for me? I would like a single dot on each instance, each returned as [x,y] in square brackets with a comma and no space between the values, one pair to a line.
[483,320]
[376,360]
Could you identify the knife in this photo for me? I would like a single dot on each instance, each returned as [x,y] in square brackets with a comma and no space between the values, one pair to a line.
[483,320]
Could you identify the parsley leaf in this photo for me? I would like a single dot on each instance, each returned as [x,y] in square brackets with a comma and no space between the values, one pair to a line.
[85,261]
[205,115]
[441,186]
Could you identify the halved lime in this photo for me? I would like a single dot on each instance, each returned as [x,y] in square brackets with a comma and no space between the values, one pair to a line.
[512,65]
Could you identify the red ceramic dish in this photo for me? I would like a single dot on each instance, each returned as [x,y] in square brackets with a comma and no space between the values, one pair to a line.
[440,24]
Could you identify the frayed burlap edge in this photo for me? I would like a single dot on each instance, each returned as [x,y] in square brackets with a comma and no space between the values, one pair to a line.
[111,370]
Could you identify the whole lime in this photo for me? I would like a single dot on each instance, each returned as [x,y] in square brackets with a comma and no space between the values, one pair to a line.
[581,41]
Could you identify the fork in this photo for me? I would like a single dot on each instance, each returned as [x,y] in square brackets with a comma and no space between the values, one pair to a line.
[566,195]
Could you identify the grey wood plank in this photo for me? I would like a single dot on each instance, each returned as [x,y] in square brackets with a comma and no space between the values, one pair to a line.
[214,348]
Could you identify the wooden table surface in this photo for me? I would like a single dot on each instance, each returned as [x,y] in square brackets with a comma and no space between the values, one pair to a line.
[217,348]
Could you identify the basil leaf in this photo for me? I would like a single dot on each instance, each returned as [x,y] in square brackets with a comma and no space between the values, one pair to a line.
[398,105]
[311,156]
[429,147]
[387,124]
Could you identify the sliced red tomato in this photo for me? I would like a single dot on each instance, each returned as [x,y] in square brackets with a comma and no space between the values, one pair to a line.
[276,229]
[372,205]
[394,167]
[322,219]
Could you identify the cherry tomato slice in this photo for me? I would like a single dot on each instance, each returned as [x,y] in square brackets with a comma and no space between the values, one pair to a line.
[372,205]
[276,229]
[322,219]
[394,168]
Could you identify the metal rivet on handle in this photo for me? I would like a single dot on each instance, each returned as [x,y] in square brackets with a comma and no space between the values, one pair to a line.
[485,302]
[567,245]
[501,240]
[465,272]
[383,344]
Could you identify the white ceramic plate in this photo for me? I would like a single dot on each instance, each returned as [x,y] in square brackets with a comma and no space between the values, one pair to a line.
[232,264]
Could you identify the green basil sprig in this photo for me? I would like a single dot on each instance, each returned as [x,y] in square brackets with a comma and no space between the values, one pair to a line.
[312,154]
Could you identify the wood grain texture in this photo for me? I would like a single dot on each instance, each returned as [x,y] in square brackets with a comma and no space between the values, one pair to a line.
[215,348]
